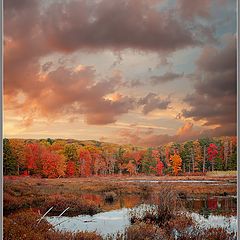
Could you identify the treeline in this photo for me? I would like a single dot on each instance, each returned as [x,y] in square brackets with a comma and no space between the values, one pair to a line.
[65,158]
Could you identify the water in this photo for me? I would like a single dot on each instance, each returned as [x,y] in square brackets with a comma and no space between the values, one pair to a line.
[207,212]
[104,223]
[210,182]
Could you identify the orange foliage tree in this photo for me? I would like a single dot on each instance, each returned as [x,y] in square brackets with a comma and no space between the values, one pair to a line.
[131,168]
[176,163]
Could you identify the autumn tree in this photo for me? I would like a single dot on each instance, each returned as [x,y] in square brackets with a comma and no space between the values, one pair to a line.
[70,152]
[176,163]
[53,164]
[120,159]
[70,168]
[18,147]
[33,155]
[212,151]
[198,163]
[159,166]
[130,166]
[85,162]
[138,157]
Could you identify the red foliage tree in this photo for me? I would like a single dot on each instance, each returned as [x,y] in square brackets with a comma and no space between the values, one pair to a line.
[53,164]
[71,169]
[212,151]
[85,160]
[33,152]
[159,168]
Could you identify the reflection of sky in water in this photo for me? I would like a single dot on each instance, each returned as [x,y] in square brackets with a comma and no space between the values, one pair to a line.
[229,223]
[117,220]
[177,181]
[104,223]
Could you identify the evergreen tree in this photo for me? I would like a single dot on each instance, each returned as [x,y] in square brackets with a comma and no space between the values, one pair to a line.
[9,160]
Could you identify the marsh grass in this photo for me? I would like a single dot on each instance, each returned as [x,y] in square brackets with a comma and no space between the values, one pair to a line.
[24,225]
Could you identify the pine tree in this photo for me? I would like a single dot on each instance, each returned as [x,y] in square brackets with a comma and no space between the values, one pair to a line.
[9,160]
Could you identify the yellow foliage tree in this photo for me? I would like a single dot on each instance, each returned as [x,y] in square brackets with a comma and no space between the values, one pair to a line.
[176,163]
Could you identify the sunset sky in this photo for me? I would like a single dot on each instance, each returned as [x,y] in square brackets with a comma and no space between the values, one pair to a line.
[146,72]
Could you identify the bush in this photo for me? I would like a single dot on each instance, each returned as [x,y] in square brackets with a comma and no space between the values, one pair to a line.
[168,205]
[76,205]
[23,225]
[145,231]
[208,234]
[56,235]
[110,196]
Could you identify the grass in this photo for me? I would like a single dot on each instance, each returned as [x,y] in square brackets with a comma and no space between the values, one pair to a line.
[26,192]
[222,174]
[23,225]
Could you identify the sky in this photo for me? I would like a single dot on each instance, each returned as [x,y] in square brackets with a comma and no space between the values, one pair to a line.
[145,72]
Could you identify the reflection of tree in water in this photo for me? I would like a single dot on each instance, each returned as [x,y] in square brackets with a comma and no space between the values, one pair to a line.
[205,211]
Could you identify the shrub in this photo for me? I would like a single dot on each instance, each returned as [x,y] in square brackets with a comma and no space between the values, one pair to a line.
[23,225]
[56,235]
[110,196]
[208,234]
[76,205]
[145,231]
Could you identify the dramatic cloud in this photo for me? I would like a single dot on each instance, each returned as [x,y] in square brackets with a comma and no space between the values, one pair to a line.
[167,77]
[71,91]
[187,132]
[150,138]
[123,24]
[214,99]
[152,102]
[198,8]
[34,30]
[83,60]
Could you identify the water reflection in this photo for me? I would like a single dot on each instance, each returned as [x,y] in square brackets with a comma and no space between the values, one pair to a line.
[206,205]
[216,205]
[115,221]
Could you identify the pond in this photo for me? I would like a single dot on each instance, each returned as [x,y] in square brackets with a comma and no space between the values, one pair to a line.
[216,211]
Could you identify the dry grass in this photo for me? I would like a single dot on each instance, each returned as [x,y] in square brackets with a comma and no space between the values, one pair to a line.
[23,225]
[27,192]
[222,174]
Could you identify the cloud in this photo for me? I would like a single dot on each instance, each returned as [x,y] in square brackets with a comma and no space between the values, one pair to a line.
[167,77]
[117,25]
[152,102]
[33,30]
[198,8]
[215,96]
[149,138]
[66,91]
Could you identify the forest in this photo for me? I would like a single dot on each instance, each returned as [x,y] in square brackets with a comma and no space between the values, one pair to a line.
[49,158]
